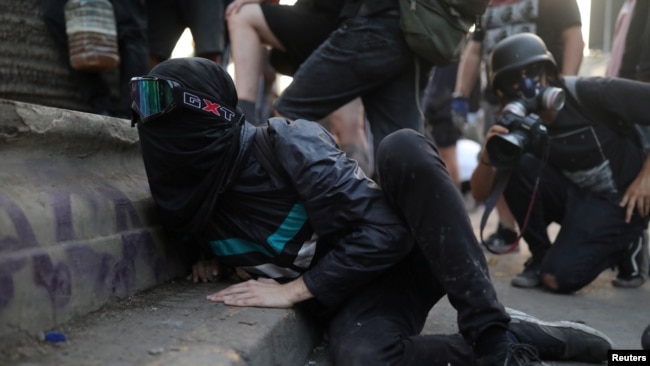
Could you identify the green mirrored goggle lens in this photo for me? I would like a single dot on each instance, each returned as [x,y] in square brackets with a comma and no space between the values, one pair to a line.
[151,97]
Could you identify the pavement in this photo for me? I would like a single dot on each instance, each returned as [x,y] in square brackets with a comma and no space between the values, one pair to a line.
[81,255]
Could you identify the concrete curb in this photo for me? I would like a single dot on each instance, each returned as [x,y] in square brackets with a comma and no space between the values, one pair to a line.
[173,324]
[77,225]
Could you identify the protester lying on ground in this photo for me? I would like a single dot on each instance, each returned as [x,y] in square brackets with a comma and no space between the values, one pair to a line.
[282,202]
[572,157]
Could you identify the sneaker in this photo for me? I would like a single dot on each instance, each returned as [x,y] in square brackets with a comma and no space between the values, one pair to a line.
[530,277]
[631,282]
[561,340]
[513,354]
[502,240]
[633,268]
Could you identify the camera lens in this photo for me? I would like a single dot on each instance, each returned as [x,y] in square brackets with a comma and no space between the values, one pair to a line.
[505,150]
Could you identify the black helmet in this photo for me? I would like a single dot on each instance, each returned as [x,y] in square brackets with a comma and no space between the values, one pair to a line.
[515,52]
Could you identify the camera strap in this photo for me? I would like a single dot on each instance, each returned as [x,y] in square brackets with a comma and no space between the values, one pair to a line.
[489,204]
[502,176]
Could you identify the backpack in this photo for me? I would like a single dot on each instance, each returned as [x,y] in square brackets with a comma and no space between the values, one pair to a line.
[437,30]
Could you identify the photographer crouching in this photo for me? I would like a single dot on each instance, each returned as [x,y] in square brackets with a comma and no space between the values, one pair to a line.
[567,150]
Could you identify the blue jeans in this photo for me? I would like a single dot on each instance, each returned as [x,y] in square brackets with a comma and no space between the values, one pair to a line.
[593,234]
[366,57]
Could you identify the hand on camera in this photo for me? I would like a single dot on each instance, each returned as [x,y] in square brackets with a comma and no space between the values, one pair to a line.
[496,130]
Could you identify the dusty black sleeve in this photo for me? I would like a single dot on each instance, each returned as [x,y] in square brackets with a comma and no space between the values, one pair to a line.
[341,202]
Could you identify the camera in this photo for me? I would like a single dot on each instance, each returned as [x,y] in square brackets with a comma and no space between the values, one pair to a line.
[526,131]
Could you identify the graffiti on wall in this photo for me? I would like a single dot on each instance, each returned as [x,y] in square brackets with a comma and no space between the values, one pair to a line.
[105,274]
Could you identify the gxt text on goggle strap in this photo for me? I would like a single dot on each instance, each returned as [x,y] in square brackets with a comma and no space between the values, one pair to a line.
[194,101]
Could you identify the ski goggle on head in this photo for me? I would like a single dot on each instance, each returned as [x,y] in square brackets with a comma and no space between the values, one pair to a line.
[153,97]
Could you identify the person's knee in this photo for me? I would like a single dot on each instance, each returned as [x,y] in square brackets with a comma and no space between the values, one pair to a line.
[399,140]
[549,281]
[562,282]
[244,18]
[407,154]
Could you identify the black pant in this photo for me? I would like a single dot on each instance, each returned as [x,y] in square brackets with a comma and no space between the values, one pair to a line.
[381,325]
[593,235]
[130,17]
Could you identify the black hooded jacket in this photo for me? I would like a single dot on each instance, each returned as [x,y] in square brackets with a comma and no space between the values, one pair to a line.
[324,220]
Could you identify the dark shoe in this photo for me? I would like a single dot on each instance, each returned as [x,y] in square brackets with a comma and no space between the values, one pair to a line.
[512,354]
[632,282]
[530,277]
[561,340]
[633,266]
[502,241]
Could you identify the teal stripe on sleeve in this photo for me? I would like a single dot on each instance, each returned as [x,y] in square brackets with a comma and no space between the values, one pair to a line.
[278,240]
[289,228]
[235,246]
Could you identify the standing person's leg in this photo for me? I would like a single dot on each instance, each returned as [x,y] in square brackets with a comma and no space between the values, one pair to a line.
[249,32]
[347,125]
[416,181]
[440,126]
[393,106]
[643,66]
[165,24]
[93,89]
[206,20]
[549,206]
[364,57]
[506,232]
[634,41]
[131,20]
